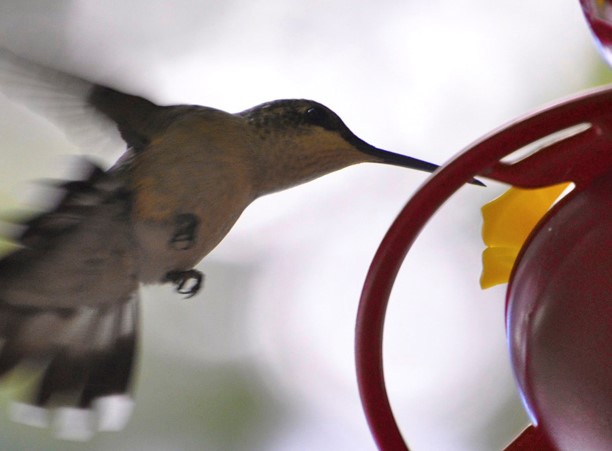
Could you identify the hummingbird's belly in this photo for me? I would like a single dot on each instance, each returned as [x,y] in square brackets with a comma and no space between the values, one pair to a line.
[169,184]
[159,254]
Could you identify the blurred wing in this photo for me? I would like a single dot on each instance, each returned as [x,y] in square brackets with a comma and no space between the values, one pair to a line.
[69,309]
[94,117]
[60,98]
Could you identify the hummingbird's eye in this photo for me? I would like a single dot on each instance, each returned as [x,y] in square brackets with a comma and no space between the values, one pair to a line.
[320,116]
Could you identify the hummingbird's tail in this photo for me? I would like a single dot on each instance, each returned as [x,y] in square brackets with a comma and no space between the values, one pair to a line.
[73,367]
[69,311]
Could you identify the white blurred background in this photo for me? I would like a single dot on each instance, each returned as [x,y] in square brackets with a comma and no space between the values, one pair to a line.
[262,359]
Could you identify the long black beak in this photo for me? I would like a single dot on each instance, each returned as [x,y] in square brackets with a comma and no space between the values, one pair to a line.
[396,159]
[404,161]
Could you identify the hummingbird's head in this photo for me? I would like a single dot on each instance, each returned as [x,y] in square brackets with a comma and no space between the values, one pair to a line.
[303,139]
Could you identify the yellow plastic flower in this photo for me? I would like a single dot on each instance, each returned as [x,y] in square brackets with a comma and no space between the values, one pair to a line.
[507,222]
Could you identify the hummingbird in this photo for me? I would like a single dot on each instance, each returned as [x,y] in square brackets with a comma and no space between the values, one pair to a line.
[69,303]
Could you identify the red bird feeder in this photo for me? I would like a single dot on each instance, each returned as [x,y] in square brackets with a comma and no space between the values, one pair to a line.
[559,298]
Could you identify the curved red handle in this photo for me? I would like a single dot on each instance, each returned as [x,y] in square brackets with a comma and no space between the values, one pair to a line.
[578,158]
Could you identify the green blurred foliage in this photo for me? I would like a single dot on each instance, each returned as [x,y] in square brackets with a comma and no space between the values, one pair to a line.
[601,73]
[6,244]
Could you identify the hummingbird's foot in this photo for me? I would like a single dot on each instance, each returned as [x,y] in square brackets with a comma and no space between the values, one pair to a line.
[184,232]
[187,282]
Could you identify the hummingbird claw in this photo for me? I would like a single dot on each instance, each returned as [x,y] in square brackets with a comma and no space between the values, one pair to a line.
[181,278]
[185,231]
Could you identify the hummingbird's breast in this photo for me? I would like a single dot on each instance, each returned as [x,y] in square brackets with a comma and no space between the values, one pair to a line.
[196,170]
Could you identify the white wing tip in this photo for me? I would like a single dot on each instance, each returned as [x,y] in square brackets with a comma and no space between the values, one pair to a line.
[71,423]
[29,415]
[109,413]
[113,412]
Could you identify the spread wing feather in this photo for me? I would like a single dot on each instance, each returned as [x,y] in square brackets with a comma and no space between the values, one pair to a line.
[94,117]
[69,308]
